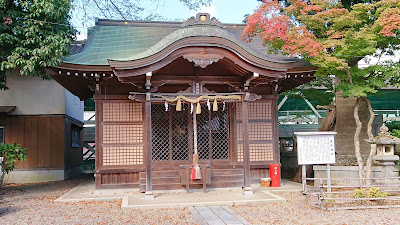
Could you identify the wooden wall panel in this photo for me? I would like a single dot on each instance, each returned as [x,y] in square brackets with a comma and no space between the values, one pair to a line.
[119,142]
[73,156]
[262,130]
[2,120]
[31,141]
[42,136]
[44,139]
[19,125]
[257,174]
[8,131]
[121,134]
[120,178]
[57,142]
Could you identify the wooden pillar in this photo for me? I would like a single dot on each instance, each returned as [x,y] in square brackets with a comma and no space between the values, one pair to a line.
[147,111]
[246,149]
[275,128]
[99,150]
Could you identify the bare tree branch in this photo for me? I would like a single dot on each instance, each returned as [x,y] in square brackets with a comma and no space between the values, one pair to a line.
[349,76]
[118,9]
[101,10]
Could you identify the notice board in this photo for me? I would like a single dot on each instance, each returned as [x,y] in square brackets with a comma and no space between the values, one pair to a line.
[315,148]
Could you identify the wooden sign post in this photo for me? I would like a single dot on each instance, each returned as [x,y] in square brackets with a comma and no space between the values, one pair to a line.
[315,148]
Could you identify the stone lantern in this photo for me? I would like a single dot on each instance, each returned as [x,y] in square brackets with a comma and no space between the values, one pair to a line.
[385,156]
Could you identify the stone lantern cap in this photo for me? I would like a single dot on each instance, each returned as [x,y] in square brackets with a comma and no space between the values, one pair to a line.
[384,137]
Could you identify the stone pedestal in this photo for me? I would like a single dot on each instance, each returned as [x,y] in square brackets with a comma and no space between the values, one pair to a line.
[148,195]
[388,169]
[247,191]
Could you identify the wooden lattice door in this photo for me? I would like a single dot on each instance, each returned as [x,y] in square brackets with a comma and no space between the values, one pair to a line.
[261,132]
[170,135]
[213,135]
[172,141]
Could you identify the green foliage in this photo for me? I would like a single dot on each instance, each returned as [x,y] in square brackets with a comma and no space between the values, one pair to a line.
[34,35]
[369,80]
[375,192]
[359,193]
[349,3]
[11,153]
[394,127]
[372,192]
[321,90]
[334,38]
[395,132]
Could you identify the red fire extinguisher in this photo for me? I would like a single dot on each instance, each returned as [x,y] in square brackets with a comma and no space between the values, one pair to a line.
[275,175]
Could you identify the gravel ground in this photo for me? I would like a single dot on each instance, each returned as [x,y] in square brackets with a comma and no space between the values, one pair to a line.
[297,211]
[34,204]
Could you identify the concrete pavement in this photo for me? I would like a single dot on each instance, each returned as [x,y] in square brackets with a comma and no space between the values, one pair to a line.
[133,199]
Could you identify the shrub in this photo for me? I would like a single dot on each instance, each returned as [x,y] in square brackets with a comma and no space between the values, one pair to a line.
[395,132]
[394,128]
[393,125]
[375,192]
[10,153]
[359,193]
[372,192]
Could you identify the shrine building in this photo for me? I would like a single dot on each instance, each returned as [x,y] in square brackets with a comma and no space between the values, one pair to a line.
[172,95]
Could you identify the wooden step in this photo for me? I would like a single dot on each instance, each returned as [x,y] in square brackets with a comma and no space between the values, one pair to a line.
[173,186]
[171,179]
[225,184]
[219,172]
[165,173]
[215,179]
[222,178]
[226,166]
[162,180]
[167,179]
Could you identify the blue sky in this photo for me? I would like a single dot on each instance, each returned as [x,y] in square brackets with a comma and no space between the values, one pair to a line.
[227,11]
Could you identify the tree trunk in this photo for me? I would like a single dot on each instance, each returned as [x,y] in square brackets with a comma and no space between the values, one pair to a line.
[357,140]
[298,177]
[329,122]
[3,173]
[372,152]
[328,125]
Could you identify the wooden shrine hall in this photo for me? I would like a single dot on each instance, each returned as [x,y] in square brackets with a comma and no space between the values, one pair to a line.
[173,96]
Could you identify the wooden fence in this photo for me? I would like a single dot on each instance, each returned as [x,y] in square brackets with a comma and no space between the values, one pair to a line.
[381,193]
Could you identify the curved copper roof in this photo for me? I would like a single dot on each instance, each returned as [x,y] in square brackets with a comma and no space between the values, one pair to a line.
[130,49]
[112,40]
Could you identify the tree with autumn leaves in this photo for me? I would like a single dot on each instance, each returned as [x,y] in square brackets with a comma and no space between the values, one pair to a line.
[335,38]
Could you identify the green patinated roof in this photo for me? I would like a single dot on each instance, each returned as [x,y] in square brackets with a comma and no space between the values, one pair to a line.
[196,32]
[118,40]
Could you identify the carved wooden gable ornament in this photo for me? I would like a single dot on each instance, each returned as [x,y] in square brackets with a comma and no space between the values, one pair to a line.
[203,60]
[202,19]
